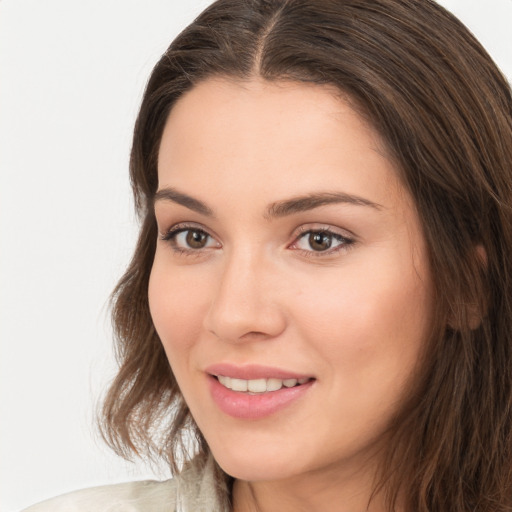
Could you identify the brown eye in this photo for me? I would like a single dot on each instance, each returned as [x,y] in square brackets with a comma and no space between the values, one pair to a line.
[320,241]
[190,239]
[196,239]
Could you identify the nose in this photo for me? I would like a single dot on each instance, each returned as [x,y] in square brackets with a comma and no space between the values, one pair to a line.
[245,304]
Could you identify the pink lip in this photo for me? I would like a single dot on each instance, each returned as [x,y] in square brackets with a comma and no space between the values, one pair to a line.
[254,406]
[253,371]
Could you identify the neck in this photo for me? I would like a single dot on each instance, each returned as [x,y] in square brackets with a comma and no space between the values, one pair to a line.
[325,491]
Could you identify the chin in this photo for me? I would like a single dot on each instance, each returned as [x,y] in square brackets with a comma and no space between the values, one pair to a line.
[263,462]
[243,468]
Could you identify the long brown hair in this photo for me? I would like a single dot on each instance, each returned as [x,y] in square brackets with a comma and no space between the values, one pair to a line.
[444,110]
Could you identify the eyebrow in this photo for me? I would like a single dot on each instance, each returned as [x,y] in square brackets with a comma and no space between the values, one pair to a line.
[277,209]
[315,200]
[171,194]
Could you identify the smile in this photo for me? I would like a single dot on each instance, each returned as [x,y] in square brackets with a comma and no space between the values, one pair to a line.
[259,385]
[257,398]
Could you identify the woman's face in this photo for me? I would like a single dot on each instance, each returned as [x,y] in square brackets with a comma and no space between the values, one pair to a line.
[290,286]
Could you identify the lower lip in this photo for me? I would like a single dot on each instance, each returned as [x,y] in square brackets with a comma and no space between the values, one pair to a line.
[257,406]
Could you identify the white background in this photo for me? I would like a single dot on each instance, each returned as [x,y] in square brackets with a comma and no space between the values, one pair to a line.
[71,78]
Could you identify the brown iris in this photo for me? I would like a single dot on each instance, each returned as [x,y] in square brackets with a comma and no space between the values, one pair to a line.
[320,241]
[196,239]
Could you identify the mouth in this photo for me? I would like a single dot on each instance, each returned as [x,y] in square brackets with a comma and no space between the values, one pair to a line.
[253,391]
[259,386]
[257,398]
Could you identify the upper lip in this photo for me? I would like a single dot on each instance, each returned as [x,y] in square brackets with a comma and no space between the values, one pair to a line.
[253,371]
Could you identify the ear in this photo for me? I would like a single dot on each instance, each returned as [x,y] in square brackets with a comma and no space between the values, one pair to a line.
[475,309]
[481,254]
[475,312]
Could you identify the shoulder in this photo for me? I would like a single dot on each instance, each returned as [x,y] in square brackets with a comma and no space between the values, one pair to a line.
[146,496]
[200,487]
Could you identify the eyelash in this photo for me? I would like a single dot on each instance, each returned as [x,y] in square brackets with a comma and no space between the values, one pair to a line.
[346,242]
[171,234]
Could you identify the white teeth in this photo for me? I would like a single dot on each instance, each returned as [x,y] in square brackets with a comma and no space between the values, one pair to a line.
[225,381]
[258,385]
[274,384]
[239,384]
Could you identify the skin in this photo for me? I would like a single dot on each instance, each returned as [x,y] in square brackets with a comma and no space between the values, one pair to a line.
[355,316]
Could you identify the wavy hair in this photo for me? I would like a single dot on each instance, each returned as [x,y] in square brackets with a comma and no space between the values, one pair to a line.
[444,111]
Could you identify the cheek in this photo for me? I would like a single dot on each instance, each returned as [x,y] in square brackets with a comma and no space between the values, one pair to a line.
[368,324]
[175,304]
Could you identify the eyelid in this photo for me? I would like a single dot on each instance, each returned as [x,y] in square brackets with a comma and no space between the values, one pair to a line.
[327,228]
[348,239]
[183,226]
[170,234]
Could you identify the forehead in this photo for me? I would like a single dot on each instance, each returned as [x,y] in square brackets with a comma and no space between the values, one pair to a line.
[286,138]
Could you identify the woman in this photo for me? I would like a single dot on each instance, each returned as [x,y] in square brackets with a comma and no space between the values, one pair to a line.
[316,316]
